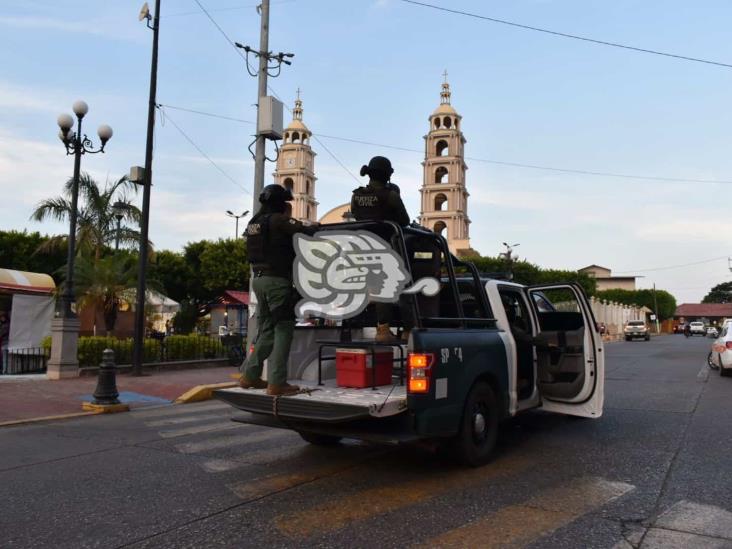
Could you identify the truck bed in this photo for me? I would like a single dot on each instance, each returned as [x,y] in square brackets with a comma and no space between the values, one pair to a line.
[326,403]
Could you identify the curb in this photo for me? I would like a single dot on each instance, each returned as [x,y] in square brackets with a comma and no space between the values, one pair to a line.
[46,418]
[203,392]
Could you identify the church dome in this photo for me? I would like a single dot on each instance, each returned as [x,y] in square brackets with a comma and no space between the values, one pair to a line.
[445,107]
[297,124]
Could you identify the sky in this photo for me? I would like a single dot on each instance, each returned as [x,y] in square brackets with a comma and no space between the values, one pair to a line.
[371,70]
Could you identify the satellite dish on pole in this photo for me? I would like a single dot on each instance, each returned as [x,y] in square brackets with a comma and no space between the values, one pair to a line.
[144,12]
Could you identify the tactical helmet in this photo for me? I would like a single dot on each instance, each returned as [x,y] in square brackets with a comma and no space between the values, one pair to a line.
[378,166]
[275,194]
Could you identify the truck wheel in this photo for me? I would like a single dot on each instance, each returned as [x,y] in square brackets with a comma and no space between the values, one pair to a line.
[474,444]
[319,440]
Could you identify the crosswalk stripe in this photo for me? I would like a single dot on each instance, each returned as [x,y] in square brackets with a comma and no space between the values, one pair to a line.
[196,429]
[520,524]
[259,487]
[252,458]
[179,409]
[379,500]
[234,440]
[184,419]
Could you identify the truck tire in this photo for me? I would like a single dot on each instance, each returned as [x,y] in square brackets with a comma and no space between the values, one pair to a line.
[476,439]
[318,439]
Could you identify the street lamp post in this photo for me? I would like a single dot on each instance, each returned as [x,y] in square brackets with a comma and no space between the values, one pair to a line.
[65,328]
[237,217]
[119,209]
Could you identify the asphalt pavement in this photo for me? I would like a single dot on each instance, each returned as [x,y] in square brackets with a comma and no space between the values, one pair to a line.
[655,472]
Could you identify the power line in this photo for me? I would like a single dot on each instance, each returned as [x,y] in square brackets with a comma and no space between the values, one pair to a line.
[238,51]
[167,117]
[566,35]
[674,266]
[475,159]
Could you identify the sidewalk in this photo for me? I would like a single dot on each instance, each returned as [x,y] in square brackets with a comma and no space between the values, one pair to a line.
[27,397]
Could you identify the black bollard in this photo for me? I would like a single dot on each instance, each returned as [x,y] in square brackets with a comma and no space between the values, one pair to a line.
[106,392]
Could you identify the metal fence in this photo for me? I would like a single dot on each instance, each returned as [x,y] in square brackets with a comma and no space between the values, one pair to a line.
[31,360]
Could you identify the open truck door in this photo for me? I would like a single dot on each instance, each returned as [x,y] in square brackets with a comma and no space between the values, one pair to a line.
[570,361]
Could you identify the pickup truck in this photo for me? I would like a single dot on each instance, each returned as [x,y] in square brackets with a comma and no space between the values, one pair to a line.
[481,351]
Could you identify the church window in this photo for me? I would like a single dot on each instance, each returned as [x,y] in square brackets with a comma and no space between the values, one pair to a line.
[440,203]
[295,137]
[440,228]
[307,186]
[437,123]
[447,122]
[441,175]
[441,149]
[288,184]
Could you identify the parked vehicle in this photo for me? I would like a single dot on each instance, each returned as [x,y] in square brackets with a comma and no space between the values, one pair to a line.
[720,357]
[636,329]
[697,328]
[482,350]
[712,332]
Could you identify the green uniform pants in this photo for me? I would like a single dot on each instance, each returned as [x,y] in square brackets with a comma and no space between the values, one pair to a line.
[275,326]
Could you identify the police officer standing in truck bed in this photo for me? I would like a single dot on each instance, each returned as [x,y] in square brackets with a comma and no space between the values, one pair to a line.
[271,253]
[379,201]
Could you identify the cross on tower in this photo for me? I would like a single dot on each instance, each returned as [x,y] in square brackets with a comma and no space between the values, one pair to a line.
[298,92]
[444,74]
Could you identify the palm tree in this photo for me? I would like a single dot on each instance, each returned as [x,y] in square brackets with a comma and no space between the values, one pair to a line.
[97,224]
[101,284]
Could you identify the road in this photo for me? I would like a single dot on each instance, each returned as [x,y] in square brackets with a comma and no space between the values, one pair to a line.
[655,472]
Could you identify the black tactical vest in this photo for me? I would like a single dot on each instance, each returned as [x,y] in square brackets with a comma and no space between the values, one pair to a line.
[370,203]
[257,236]
[270,251]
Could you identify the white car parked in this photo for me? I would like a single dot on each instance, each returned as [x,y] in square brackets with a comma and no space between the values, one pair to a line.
[697,328]
[721,354]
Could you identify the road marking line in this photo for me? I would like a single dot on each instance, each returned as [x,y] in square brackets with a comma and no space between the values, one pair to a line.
[209,427]
[253,458]
[520,524]
[260,487]
[179,409]
[696,518]
[185,419]
[234,440]
[364,504]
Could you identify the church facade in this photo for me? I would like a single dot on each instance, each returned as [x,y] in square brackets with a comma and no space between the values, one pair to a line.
[296,167]
[443,195]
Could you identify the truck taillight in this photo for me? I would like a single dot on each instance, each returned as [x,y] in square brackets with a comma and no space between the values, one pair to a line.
[728,344]
[420,368]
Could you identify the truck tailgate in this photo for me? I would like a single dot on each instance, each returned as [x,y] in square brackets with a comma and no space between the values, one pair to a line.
[325,403]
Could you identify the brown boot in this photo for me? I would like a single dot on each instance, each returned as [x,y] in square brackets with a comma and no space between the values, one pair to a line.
[282,390]
[245,383]
[383,333]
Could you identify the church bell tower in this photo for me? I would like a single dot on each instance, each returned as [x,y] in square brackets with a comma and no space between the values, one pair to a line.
[444,206]
[295,167]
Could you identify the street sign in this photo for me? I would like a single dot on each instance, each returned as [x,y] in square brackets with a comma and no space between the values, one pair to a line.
[653,317]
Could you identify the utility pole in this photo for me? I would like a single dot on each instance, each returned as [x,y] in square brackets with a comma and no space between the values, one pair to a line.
[655,306]
[137,352]
[260,150]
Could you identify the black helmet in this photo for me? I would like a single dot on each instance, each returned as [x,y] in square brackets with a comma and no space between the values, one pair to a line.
[275,194]
[379,167]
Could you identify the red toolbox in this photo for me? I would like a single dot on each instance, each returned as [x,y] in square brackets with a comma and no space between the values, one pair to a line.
[354,368]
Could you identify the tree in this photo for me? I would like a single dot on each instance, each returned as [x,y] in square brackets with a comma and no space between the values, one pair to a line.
[19,251]
[721,293]
[224,266]
[528,273]
[97,224]
[643,298]
[173,274]
[101,284]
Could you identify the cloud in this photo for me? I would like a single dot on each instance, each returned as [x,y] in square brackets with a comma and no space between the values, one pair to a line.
[96,27]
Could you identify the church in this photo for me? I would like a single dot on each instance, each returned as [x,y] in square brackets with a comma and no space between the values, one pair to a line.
[444,195]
